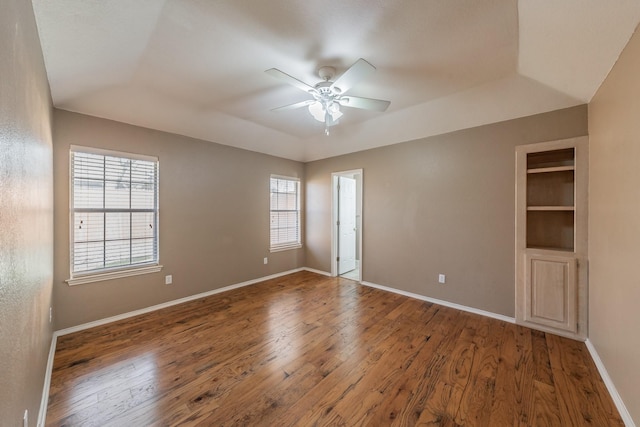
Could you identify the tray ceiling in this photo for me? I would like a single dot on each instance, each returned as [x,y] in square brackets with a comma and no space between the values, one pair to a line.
[196,67]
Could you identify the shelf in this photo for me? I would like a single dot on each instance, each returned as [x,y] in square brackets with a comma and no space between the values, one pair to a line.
[551,159]
[550,208]
[555,187]
[550,228]
[551,169]
[550,248]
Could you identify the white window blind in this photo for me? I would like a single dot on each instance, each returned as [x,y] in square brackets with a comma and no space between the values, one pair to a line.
[114,211]
[285,213]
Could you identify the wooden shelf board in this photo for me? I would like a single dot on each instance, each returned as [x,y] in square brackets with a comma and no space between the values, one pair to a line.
[550,208]
[551,248]
[551,169]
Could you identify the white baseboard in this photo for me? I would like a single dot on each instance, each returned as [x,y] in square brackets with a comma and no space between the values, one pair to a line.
[42,414]
[169,303]
[442,302]
[615,396]
[313,270]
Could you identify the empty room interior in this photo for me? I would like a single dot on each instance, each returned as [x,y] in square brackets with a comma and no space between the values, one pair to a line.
[319,213]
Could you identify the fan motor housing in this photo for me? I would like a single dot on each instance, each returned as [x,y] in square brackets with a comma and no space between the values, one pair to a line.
[327,73]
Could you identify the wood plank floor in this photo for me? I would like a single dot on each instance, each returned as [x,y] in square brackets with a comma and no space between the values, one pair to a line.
[305,350]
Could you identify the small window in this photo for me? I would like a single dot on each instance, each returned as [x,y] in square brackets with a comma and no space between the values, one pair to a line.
[285,213]
[114,211]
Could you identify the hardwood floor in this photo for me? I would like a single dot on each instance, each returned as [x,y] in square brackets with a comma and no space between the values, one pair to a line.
[305,349]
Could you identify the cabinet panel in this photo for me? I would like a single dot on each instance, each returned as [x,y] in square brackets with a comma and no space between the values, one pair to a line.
[552,291]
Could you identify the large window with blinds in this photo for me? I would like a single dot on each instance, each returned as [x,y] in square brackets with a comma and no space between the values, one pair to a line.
[114,211]
[285,213]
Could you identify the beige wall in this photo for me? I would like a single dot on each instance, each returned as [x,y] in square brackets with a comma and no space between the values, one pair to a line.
[214,218]
[443,204]
[614,225]
[26,218]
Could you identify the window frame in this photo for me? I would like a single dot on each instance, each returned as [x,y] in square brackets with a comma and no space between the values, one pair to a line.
[95,275]
[287,245]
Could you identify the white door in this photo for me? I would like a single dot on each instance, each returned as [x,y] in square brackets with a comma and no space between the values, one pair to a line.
[346,224]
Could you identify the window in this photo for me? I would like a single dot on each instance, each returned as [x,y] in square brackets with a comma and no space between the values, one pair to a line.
[285,213]
[114,214]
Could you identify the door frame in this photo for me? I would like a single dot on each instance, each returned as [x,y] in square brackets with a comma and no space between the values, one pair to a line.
[334,218]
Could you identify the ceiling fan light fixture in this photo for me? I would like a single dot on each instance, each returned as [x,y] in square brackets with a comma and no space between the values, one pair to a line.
[334,110]
[317,111]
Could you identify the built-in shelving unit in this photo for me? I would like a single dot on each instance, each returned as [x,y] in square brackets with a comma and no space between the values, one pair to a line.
[551,199]
[551,236]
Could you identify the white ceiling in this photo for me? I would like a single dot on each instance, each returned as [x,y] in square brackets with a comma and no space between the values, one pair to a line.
[196,67]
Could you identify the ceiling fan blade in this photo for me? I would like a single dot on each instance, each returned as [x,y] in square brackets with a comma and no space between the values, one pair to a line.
[358,71]
[274,72]
[296,105]
[364,103]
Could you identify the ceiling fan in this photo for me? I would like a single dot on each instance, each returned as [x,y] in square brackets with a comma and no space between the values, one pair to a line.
[329,95]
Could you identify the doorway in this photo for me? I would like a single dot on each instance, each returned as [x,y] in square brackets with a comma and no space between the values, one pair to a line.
[346,230]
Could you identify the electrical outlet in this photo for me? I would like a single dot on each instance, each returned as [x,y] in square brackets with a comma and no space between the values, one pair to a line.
[50,314]
[266,260]
[168,279]
[25,418]
[442,278]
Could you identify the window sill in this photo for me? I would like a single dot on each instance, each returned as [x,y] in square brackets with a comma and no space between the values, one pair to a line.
[98,277]
[285,248]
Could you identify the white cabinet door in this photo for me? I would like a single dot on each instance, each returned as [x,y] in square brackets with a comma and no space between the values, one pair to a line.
[551,297]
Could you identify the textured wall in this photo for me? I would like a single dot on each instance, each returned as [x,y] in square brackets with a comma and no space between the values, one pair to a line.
[214,218]
[443,204]
[614,224]
[26,218]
